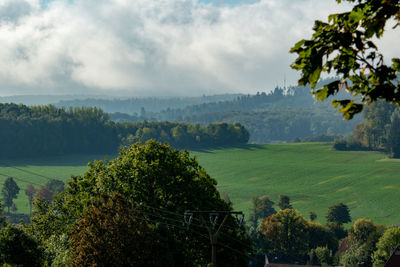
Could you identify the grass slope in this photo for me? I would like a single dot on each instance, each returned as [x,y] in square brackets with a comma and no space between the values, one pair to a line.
[313,175]
[38,171]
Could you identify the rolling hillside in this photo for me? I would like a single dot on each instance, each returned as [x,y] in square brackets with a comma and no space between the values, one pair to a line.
[313,175]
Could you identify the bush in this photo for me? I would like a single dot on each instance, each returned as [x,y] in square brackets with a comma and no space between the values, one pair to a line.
[349,145]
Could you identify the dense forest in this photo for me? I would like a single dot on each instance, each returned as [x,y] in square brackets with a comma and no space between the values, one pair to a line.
[48,130]
[283,114]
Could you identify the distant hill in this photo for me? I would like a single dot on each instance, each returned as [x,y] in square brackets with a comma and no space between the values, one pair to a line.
[281,115]
[31,100]
[142,106]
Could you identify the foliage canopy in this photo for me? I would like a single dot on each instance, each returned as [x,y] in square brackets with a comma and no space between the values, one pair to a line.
[338,213]
[344,46]
[164,182]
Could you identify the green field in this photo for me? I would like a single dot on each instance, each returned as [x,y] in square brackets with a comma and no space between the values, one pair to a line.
[39,170]
[313,175]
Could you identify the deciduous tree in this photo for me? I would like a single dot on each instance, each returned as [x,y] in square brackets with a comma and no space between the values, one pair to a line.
[386,245]
[287,230]
[362,240]
[345,47]
[114,232]
[166,182]
[9,191]
[338,213]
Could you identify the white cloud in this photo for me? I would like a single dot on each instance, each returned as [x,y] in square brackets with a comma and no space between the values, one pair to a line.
[151,47]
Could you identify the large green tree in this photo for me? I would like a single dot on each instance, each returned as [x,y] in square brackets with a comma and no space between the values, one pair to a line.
[288,231]
[345,47]
[386,245]
[9,191]
[338,213]
[166,183]
[361,243]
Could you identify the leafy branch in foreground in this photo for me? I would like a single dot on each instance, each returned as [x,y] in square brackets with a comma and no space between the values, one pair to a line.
[344,46]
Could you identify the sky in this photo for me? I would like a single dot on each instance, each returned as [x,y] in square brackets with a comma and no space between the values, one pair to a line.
[155,47]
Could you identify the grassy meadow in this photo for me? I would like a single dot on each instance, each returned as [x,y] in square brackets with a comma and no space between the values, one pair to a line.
[313,175]
[38,171]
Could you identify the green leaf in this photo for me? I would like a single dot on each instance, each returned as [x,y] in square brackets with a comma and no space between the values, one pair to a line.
[335,103]
[357,16]
[297,46]
[321,94]
[396,64]
[349,108]
[314,77]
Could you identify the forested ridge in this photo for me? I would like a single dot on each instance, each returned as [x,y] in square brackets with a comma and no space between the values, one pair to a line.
[48,130]
[138,105]
[280,115]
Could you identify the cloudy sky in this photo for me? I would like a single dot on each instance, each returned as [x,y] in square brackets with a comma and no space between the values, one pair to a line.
[154,47]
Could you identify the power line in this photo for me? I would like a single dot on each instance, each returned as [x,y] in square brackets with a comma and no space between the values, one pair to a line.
[159,216]
[19,179]
[178,214]
[196,232]
[188,216]
[30,172]
[200,225]
[184,228]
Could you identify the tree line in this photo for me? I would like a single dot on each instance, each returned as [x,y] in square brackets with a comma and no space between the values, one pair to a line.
[48,130]
[11,189]
[285,236]
[281,125]
[184,135]
[379,132]
[281,115]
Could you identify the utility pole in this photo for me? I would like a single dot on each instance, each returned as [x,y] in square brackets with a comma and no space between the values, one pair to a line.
[213,215]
